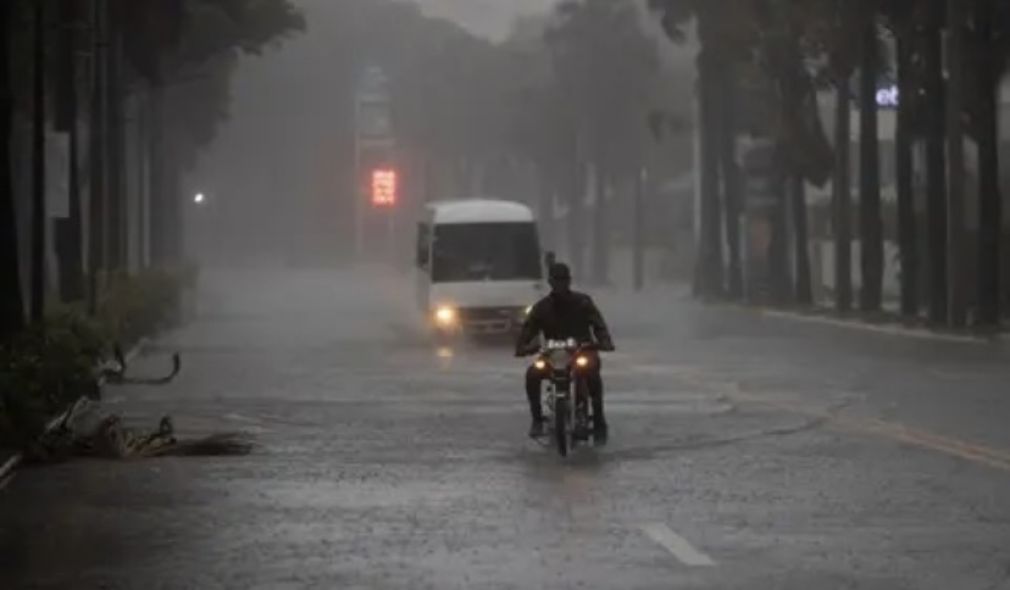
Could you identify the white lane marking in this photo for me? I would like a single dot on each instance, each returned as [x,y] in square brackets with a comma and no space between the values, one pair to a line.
[8,467]
[5,481]
[677,546]
[240,418]
[254,423]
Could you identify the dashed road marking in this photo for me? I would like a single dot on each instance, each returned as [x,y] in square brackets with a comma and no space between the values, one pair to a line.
[240,418]
[255,424]
[678,546]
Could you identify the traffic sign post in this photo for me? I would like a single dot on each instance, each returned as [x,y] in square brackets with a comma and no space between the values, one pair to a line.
[377,192]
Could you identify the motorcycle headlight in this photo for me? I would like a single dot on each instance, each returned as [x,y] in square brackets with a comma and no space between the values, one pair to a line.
[446,315]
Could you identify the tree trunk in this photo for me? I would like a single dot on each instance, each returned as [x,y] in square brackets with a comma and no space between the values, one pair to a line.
[143,187]
[11,302]
[956,252]
[709,271]
[804,293]
[989,210]
[68,233]
[936,173]
[778,251]
[907,240]
[545,204]
[97,197]
[731,183]
[115,112]
[576,208]
[601,225]
[871,239]
[156,136]
[842,198]
[638,232]
[38,275]
[172,207]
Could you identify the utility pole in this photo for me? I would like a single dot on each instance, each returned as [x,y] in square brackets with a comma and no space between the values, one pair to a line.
[38,280]
[374,167]
[955,161]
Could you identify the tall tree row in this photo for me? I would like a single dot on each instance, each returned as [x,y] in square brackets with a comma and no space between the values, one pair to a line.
[806,47]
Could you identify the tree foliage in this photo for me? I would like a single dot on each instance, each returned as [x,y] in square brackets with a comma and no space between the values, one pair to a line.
[606,69]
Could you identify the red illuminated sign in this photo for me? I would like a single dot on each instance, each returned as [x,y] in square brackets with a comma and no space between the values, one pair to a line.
[384,187]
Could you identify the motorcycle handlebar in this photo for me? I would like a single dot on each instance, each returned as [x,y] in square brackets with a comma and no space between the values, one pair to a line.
[583,347]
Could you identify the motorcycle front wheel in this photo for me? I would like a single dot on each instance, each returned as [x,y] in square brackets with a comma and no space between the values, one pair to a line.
[561,426]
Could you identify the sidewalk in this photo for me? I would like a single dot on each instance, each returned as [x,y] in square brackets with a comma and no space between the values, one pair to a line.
[882,323]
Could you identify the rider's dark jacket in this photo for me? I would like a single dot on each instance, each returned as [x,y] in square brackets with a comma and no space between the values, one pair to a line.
[561,316]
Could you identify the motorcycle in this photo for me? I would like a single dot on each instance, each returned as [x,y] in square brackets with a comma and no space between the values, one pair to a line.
[567,407]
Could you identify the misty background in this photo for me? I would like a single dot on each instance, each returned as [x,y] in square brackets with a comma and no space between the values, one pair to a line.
[280,169]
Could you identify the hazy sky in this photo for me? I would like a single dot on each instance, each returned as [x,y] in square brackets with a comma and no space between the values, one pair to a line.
[491,18]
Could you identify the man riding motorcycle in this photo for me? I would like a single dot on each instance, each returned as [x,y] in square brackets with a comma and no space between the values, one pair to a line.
[561,315]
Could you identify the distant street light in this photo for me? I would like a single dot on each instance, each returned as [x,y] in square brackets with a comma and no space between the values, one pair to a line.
[199,198]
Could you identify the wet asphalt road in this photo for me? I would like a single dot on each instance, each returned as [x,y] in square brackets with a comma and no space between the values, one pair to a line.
[746,452]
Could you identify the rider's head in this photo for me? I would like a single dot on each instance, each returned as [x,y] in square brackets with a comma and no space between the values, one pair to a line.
[560,278]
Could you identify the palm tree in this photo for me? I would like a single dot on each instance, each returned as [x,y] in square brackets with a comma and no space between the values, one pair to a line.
[708,275]
[785,27]
[956,246]
[936,164]
[38,226]
[903,20]
[835,24]
[990,60]
[727,35]
[69,231]
[606,65]
[731,179]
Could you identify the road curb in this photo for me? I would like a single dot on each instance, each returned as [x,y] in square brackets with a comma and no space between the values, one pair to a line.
[855,324]
[882,328]
[8,468]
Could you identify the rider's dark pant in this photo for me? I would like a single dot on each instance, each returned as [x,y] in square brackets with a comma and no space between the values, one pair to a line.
[593,380]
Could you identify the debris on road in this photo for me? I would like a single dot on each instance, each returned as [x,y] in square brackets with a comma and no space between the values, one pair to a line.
[116,373]
[88,431]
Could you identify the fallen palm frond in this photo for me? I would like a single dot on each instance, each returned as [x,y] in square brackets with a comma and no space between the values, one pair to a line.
[116,374]
[87,432]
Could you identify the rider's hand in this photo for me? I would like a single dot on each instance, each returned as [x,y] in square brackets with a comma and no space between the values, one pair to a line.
[524,351]
[606,347]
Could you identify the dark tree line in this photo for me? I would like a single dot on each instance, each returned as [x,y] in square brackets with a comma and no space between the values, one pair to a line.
[83,68]
[800,47]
